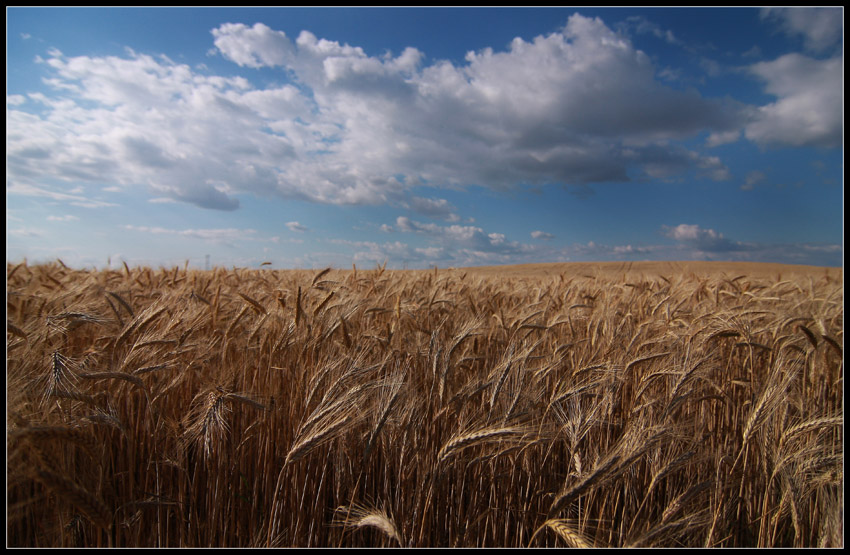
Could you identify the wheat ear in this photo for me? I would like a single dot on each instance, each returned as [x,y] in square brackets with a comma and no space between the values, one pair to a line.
[566,496]
[360,517]
[461,441]
[565,532]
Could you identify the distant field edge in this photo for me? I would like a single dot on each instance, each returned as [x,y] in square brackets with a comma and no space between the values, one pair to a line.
[661,268]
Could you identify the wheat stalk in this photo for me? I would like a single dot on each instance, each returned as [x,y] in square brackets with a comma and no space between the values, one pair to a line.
[86,502]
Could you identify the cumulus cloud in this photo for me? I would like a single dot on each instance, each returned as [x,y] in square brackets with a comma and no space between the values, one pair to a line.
[454,232]
[820,28]
[255,46]
[145,121]
[372,252]
[705,240]
[468,245]
[434,208]
[809,110]
[580,105]
[472,246]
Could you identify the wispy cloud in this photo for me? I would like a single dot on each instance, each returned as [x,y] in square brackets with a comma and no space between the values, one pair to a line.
[692,242]
[371,252]
[752,179]
[28,190]
[228,236]
[296,227]
[30,232]
[820,28]
[641,25]
[542,235]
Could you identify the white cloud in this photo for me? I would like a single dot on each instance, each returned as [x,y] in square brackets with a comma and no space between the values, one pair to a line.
[66,218]
[432,253]
[641,25]
[141,120]
[542,235]
[29,232]
[753,178]
[453,232]
[622,250]
[723,137]
[371,252]
[496,238]
[672,161]
[22,189]
[821,28]
[577,106]
[706,240]
[434,208]
[695,243]
[226,236]
[296,227]
[810,106]
[461,245]
[685,232]
[691,242]
[255,46]
[597,251]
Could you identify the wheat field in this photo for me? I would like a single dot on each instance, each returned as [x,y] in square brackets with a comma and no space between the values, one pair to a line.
[439,408]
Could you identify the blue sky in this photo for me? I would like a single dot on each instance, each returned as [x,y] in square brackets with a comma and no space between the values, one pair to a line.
[421,136]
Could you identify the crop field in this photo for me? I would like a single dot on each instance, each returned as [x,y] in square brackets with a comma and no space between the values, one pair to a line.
[565,405]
